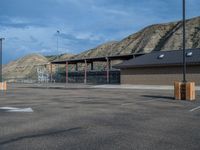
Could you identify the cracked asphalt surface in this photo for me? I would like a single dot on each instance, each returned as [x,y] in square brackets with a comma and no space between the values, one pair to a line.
[97,119]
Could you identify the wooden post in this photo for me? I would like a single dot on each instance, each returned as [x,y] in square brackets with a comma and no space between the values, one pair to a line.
[184,91]
[177,90]
[3,86]
[85,75]
[67,72]
[190,91]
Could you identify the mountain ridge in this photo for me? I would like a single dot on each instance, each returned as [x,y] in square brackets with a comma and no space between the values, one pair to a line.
[166,36]
[157,37]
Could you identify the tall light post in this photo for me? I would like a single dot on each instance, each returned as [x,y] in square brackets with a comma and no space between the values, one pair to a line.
[1,57]
[184,51]
[58,33]
[184,90]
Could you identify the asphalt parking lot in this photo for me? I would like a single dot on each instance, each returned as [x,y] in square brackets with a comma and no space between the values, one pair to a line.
[97,119]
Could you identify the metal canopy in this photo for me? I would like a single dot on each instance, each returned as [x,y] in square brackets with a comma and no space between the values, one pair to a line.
[98,59]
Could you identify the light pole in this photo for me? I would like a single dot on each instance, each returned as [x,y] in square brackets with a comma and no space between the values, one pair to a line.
[184,90]
[1,54]
[184,51]
[58,32]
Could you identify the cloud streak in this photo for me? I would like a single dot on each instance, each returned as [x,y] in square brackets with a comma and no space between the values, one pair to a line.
[30,26]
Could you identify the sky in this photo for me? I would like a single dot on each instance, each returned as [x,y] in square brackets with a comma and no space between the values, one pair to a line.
[30,26]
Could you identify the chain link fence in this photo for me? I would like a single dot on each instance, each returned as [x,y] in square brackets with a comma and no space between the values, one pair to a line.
[93,77]
[41,74]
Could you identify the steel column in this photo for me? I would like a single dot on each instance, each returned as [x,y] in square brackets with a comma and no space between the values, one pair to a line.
[1,77]
[67,72]
[92,66]
[85,75]
[51,74]
[76,68]
[184,51]
[108,71]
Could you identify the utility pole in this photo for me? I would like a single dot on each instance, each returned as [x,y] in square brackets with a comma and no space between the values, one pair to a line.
[184,51]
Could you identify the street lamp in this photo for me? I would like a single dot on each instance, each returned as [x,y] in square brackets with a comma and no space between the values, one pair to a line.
[58,32]
[1,54]
[184,51]
[184,90]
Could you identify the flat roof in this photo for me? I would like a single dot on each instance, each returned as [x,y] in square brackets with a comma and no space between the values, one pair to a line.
[98,59]
[162,58]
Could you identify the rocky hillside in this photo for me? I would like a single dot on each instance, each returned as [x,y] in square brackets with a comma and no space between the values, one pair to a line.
[157,37]
[102,50]
[60,57]
[24,67]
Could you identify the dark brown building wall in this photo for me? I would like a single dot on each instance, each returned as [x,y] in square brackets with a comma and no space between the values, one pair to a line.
[159,75]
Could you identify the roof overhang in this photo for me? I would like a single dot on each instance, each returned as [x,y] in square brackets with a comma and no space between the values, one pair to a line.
[98,59]
[154,66]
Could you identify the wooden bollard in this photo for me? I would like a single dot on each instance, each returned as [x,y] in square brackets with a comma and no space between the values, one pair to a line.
[3,86]
[184,91]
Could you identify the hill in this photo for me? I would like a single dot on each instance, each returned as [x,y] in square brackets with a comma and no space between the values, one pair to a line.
[102,50]
[59,57]
[24,67]
[158,37]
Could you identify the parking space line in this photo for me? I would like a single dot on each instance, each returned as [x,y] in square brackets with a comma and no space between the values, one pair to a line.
[198,107]
[14,109]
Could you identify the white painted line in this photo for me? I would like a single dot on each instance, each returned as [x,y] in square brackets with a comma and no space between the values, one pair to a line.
[8,108]
[14,109]
[195,109]
[21,110]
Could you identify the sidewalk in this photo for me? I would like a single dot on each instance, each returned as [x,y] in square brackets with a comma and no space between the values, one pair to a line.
[105,86]
[140,87]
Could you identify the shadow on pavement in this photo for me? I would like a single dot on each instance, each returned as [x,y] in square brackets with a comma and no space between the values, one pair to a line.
[58,88]
[38,135]
[158,97]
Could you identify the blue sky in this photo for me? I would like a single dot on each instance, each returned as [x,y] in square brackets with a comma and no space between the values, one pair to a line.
[30,26]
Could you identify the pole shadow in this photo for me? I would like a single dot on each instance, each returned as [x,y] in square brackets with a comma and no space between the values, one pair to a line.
[159,97]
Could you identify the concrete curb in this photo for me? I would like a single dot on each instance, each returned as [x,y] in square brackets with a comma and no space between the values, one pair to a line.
[140,87]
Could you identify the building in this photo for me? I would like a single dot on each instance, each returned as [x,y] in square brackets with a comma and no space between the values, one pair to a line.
[161,68]
[86,70]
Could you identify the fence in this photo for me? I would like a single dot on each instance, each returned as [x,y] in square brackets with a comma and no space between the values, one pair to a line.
[93,77]
[42,75]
